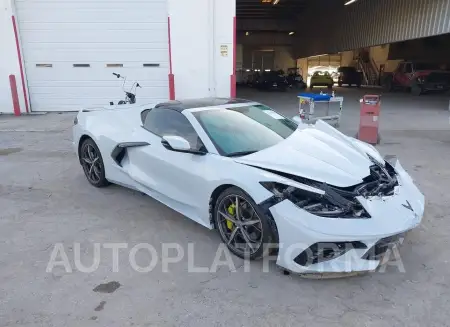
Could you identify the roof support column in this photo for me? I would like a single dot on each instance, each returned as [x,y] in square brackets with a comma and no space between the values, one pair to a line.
[202,48]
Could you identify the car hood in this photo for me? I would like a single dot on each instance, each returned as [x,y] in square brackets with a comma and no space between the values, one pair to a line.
[320,153]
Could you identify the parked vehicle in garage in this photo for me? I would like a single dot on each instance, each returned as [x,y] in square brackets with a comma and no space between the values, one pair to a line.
[320,78]
[272,80]
[331,201]
[349,76]
[419,78]
[294,79]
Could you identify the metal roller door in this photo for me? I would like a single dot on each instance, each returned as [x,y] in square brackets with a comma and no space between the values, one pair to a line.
[72,47]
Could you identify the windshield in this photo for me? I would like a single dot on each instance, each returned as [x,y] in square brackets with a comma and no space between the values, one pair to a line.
[320,73]
[244,130]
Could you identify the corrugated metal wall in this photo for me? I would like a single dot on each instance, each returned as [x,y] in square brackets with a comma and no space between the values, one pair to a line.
[330,27]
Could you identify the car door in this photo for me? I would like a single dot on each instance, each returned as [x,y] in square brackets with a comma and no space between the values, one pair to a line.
[408,74]
[179,180]
[403,76]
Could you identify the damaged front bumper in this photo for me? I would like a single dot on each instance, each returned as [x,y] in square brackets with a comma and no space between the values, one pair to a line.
[313,244]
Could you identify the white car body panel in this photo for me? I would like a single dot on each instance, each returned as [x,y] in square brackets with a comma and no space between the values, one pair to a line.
[185,182]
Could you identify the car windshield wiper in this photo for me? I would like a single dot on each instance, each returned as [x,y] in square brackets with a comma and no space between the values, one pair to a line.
[240,153]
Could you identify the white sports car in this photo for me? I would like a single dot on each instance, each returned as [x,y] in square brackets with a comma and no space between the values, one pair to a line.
[329,202]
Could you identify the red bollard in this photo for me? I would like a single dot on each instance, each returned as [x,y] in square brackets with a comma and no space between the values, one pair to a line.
[369,119]
[15,96]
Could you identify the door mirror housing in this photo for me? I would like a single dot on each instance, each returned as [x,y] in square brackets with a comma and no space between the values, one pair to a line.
[178,144]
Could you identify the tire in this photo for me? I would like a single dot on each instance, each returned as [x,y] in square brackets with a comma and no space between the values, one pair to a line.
[95,172]
[265,230]
[416,90]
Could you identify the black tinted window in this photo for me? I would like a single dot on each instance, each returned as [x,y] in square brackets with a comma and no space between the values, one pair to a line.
[166,122]
[425,66]
[408,68]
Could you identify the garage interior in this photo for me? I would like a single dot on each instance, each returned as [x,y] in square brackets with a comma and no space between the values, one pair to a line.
[310,36]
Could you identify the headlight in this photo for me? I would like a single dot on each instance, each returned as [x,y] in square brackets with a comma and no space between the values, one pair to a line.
[420,80]
[330,204]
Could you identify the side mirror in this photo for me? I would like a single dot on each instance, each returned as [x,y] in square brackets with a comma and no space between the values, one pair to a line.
[178,144]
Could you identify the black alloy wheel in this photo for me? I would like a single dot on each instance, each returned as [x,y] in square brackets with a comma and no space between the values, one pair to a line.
[243,227]
[92,162]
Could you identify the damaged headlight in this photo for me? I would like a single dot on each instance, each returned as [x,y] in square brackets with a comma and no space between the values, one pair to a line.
[327,203]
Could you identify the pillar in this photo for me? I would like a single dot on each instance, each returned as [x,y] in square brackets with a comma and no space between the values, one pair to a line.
[202,48]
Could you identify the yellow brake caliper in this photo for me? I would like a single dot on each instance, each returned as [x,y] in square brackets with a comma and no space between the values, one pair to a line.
[232,211]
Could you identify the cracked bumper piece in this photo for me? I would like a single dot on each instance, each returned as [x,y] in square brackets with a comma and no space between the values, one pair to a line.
[312,244]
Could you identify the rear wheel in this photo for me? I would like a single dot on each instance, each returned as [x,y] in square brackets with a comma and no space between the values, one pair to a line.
[92,163]
[242,225]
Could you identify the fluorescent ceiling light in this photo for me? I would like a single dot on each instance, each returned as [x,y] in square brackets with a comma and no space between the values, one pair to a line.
[349,2]
[247,33]
[266,1]
[291,33]
[275,1]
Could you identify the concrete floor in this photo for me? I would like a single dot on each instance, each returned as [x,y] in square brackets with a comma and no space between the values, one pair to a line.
[45,199]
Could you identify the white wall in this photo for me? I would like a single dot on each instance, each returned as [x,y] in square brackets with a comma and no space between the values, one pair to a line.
[379,54]
[9,63]
[199,28]
[224,13]
[302,64]
[347,58]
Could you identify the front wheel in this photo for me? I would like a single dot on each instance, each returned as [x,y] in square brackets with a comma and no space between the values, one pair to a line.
[243,226]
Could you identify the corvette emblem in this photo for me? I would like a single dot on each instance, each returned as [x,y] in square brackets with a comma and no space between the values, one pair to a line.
[408,206]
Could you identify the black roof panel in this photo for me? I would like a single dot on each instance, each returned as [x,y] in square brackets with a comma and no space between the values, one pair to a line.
[181,105]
